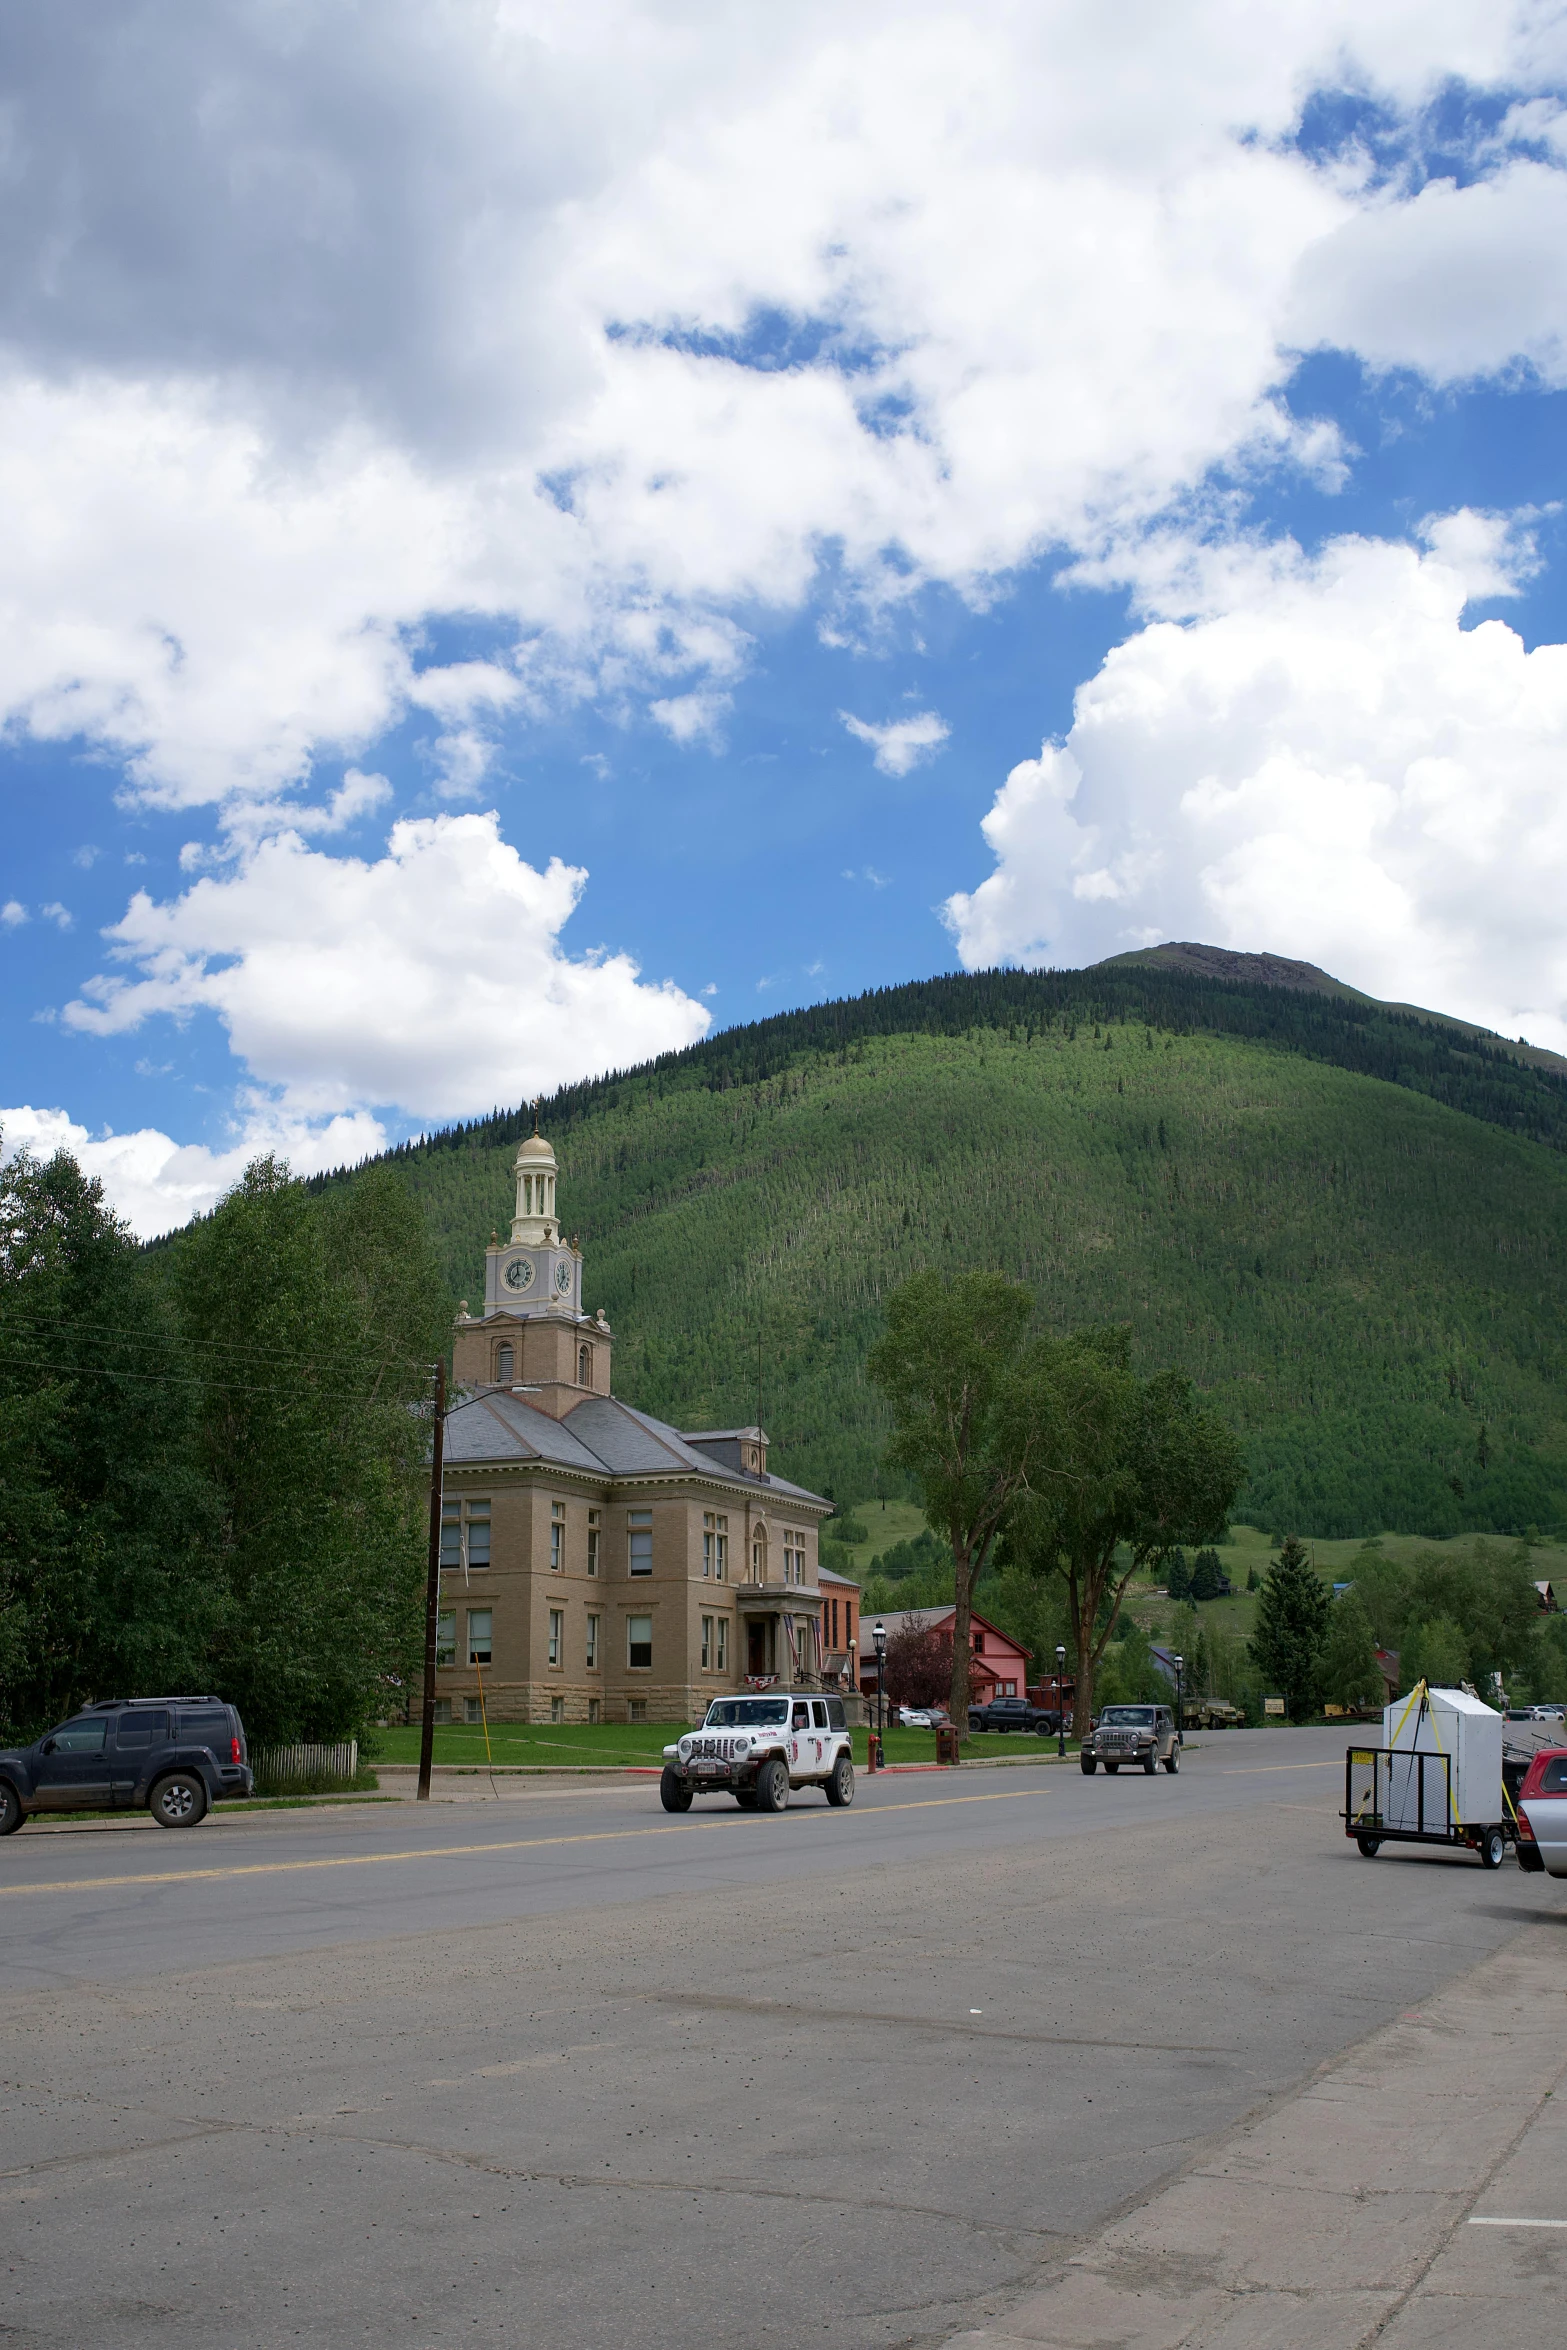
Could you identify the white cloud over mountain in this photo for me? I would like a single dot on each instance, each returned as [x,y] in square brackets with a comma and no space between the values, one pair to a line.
[432,978]
[1317,757]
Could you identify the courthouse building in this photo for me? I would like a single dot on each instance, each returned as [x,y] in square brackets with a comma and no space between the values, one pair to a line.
[598,1565]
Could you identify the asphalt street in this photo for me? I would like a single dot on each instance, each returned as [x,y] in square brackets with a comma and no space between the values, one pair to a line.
[560,2066]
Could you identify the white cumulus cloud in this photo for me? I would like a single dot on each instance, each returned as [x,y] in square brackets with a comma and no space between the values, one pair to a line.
[157,1184]
[903,742]
[311,339]
[1322,762]
[431,979]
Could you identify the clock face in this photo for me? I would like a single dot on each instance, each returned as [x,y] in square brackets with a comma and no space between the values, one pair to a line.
[519,1273]
[563,1276]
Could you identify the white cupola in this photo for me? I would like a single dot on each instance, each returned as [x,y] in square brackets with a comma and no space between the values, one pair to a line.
[534,1225]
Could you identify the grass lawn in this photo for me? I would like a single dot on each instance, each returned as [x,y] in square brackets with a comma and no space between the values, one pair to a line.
[567,1746]
[888,1522]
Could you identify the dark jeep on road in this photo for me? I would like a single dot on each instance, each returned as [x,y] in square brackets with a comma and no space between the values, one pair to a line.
[1129,1734]
[1013,1713]
[172,1756]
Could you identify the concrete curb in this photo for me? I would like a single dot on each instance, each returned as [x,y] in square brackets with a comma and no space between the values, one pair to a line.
[1341,2214]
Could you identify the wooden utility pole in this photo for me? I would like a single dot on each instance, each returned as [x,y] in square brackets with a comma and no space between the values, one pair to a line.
[432,1588]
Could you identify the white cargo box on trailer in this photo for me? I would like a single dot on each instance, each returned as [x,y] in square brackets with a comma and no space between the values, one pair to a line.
[1445,1723]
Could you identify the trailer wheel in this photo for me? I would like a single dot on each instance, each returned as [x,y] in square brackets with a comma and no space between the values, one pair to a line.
[1493,1848]
[1370,1846]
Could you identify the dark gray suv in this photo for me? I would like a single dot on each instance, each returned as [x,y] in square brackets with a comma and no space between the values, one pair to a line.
[172,1756]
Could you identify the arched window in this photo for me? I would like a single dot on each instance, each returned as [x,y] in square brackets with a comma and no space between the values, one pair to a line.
[584,1366]
[759,1556]
[503,1365]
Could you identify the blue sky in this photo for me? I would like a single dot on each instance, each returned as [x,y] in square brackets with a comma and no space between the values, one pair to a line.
[524,547]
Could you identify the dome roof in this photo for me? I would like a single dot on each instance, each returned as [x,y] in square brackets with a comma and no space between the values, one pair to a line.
[536,1148]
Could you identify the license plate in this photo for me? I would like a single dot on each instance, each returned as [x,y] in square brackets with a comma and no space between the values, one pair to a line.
[711,1770]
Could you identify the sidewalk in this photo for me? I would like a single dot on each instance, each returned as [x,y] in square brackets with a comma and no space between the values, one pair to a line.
[1388,2200]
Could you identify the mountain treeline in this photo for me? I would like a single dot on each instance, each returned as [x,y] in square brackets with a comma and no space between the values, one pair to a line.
[211,1456]
[1361,1265]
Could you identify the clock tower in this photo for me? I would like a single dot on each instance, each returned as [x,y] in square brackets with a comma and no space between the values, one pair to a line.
[533,1335]
[534,1271]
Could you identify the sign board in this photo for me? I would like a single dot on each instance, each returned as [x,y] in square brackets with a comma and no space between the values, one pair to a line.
[1273,1705]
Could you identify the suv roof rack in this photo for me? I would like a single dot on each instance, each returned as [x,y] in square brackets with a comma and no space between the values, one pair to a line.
[109,1705]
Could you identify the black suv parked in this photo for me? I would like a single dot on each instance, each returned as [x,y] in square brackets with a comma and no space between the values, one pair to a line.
[172,1756]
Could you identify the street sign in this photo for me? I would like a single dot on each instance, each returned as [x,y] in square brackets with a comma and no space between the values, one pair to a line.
[1273,1705]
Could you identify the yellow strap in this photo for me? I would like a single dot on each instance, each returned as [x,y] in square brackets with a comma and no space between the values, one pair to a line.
[1442,1751]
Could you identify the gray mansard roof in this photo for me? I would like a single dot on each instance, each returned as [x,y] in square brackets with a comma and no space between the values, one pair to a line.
[600,1436]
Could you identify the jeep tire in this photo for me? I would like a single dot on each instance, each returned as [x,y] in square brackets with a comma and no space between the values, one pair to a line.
[1151,1763]
[840,1783]
[11,1812]
[673,1793]
[772,1786]
[1088,1764]
[179,1801]
[1172,1761]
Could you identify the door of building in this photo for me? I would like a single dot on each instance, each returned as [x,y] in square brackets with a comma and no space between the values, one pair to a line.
[756,1645]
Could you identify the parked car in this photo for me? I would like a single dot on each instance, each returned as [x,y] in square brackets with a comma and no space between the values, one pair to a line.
[1542,1814]
[758,1748]
[1014,1713]
[172,1756]
[1132,1734]
[921,1717]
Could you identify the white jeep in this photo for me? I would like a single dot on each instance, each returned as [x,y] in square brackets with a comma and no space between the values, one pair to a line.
[757,1748]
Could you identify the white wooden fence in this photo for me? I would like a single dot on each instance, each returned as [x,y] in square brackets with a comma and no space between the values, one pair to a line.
[277,1764]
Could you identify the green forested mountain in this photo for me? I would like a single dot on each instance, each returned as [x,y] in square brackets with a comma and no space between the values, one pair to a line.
[1345,1219]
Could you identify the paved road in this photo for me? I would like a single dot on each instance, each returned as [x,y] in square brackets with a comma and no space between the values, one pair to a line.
[560,2066]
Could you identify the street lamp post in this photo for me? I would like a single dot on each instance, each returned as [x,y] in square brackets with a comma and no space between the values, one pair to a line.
[1180,1707]
[1060,1704]
[879,1635]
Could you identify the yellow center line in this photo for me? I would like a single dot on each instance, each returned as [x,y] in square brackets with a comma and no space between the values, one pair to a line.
[359,1860]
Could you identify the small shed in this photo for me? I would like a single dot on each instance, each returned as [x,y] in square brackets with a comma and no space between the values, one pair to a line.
[1547,1599]
[1446,1745]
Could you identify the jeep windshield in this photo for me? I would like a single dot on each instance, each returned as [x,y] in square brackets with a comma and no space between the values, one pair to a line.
[1127,1717]
[747,1713]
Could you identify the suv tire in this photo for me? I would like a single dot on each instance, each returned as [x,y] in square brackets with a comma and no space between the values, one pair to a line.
[1172,1761]
[673,1794]
[840,1783]
[1150,1764]
[11,1812]
[1088,1764]
[772,1786]
[179,1801]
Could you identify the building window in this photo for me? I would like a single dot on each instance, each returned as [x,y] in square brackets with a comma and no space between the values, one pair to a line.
[446,1639]
[715,1545]
[593,1709]
[721,1660]
[759,1556]
[465,1534]
[557,1709]
[639,1642]
[636,1709]
[707,1644]
[472,1710]
[794,1557]
[1009,1689]
[584,1366]
[479,1622]
[594,1530]
[504,1359]
[593,1644]
[557,1634]
[443,1710]
[557,1536]
[639,1541]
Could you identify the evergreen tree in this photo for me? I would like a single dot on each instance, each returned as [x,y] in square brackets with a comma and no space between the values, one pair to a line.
[1207,1575]
[1178,1575]
[1350,1674]
[1291,1628]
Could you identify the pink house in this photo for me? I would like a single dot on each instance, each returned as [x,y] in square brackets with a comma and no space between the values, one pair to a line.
[998,1667]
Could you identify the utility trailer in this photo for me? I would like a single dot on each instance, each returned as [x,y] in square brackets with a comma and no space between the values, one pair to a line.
[1435,1779]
